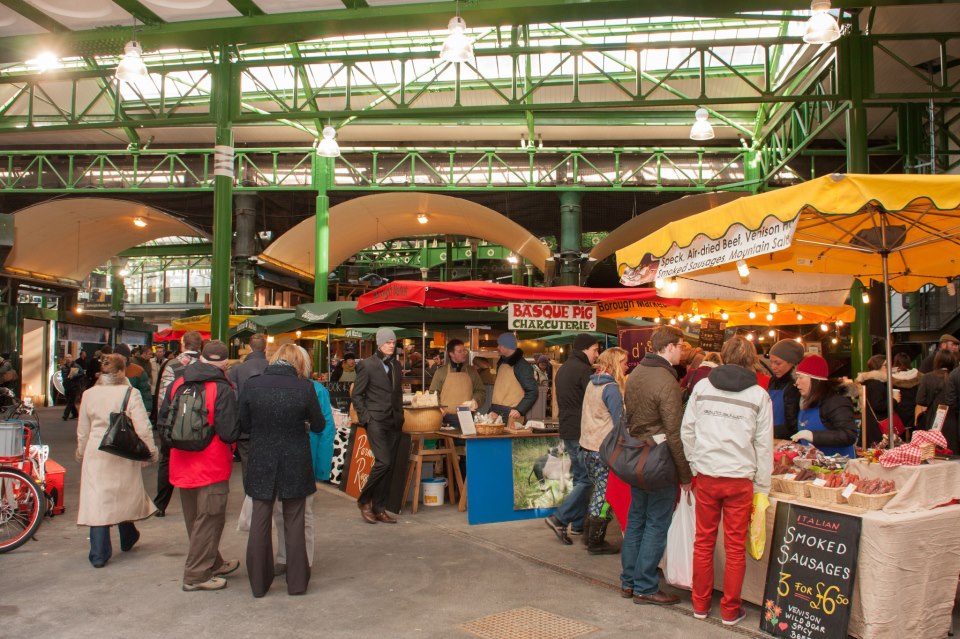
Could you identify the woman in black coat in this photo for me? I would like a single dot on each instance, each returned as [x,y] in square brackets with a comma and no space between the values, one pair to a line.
[275,409]
[874,381]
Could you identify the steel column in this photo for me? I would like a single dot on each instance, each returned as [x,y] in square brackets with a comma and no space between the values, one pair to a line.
[322,169]
[855,73]
[862,346]
[222,200]
[571,225]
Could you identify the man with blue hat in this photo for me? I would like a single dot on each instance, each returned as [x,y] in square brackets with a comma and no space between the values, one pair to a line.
[515,391]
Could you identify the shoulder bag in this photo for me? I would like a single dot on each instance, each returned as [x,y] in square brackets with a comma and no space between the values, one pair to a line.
[121,438]
[642,463]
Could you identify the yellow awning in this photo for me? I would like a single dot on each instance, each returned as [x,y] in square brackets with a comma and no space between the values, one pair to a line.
[202,322]
[839,224]
[738,312]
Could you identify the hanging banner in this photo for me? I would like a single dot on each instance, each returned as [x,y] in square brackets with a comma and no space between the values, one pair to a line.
[632,308]
[810,574]
[551,317]
[88,334]
[636,341]
[739,243]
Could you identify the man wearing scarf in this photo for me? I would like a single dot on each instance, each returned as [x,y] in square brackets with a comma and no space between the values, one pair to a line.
[378,399]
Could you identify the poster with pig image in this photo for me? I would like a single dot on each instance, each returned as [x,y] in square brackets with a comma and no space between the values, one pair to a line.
[541,472]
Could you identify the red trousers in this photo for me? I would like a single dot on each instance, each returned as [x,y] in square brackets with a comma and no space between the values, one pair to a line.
[733,498]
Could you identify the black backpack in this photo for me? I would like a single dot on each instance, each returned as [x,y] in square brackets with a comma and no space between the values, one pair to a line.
[189,422]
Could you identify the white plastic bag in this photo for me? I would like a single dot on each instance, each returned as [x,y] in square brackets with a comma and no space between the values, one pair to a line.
[246,514]
[678,557]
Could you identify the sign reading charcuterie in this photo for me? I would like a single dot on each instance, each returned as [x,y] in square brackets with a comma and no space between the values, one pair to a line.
[810,574]
[551,317]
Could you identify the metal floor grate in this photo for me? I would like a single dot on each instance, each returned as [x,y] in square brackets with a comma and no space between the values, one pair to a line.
[526,623]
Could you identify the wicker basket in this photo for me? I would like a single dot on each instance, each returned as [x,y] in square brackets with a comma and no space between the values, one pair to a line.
[870,502]
[776,483]
[927,451]
[489,429]
[826,495]
[422,420]
[796,488]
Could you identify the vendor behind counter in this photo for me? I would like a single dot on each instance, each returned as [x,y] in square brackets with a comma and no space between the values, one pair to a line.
[457,382]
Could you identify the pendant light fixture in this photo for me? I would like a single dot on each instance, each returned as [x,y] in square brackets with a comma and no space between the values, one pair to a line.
[131,69]
[457,47]
[702,129]
[328,147]
[822,27]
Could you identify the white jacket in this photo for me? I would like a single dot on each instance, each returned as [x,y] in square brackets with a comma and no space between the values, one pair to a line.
[727,429]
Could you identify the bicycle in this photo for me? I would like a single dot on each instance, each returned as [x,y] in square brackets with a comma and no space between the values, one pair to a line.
[23,500]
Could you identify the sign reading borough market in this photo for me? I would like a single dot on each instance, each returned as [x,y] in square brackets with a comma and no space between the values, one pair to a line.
[551,317]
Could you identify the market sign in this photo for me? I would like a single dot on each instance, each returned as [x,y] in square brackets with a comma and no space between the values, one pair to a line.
[738,243]
[522,316]
[636,341]
[810,574]
[631,308]
[711,335]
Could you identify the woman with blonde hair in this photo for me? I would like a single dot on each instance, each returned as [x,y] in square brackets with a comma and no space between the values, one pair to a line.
[602,408]
[274,410]
[111,487]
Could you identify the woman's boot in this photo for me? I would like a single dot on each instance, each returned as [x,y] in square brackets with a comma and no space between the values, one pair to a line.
[596,541]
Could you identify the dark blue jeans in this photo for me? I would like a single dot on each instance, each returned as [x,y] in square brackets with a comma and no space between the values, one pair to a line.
[100,547]
[646,538]
[573,508]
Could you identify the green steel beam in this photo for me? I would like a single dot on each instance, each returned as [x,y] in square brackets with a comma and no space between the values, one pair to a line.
[36,16]
[199,249]
[139,11]
[224,98]
[247,8]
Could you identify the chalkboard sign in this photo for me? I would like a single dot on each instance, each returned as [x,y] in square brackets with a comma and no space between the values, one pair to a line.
[711,335]
[810,574]
[339,395]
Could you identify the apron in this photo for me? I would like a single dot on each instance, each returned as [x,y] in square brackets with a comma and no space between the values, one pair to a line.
[507,392]
[457,388]
[809,419]
[779,414]
[348,376]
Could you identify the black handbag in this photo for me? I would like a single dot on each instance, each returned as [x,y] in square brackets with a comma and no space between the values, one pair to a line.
[642,463]
[121,438]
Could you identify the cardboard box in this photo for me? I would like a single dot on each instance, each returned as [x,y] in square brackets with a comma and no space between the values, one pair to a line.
[54,486]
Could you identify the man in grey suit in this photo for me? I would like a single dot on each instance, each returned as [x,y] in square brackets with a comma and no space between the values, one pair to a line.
[378,399]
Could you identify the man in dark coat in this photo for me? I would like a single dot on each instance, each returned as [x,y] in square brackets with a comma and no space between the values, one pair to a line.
[253,364]
[947,343]
[572,380]
[72,376]
[378,399]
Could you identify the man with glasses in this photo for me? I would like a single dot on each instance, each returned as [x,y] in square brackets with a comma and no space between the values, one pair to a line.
[653,408]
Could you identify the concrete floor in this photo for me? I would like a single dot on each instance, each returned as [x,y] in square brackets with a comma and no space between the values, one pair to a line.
[421,578]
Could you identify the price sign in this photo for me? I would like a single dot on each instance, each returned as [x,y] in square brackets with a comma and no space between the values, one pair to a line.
[811,572]
[339,395]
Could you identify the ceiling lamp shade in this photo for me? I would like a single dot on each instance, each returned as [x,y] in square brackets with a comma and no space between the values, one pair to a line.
[702,129]
[422,218]
[822,28]
[131,68]
[457,47]
[328,147]
[139,222]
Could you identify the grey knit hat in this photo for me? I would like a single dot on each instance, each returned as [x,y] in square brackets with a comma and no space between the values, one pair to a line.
[788,350]
[385,335]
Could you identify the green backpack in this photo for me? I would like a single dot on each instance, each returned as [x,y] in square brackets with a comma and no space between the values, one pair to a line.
[189,422]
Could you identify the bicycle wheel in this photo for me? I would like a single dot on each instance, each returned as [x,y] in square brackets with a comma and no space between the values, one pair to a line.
[22,505]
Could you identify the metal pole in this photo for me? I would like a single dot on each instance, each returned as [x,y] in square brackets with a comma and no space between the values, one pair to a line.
[321,252]
[329,358]
[423,353]
[222,200]
[571,224]
[884,256]
[853,50]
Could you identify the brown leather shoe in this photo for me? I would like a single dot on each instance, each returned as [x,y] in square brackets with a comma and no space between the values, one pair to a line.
[659,598]
[366,511]
[385,518]
[626,593]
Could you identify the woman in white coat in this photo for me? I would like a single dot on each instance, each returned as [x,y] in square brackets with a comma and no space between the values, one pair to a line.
[111,487]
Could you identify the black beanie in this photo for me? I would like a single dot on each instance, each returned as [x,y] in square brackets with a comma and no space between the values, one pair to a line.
[583,341]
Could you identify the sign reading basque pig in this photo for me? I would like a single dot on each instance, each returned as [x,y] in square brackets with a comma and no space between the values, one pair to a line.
[522,316]
[738,243]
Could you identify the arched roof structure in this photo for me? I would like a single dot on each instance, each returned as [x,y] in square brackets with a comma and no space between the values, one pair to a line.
[65,239]
[366,221]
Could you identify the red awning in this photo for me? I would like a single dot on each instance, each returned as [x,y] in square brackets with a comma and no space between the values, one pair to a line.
[170,335]
[482,294]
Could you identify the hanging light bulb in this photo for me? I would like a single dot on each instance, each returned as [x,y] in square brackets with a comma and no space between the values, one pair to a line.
[822,28]
[701,129]
[824,327]
[658,283]
[742,269]
[752,315]
[839,323]
[131,69]
[695,319]
[673,285]
[299,334]
[865,297]
[328,147]
[680,317]
[656,320]
[760,339]
[457,47]
[799,316]
[769,317]
[724,316]
[833,340]
[673,321]
[771,332]
[139,222]
[773,305]
[422,218]
[799,340]
[750,337]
